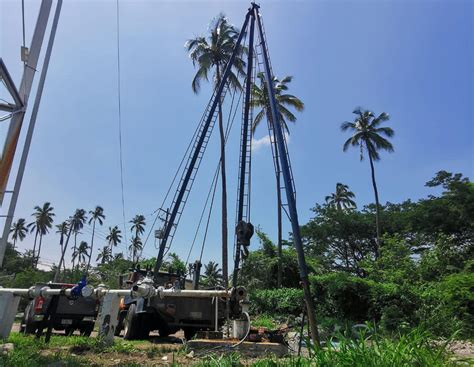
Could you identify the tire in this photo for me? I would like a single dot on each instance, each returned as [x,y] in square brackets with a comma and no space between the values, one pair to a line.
[86,330]
[121,319]
[163,328]
[28,326]
[131,324]
[189,333]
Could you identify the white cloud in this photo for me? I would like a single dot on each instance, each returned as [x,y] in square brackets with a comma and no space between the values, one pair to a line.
[265,142]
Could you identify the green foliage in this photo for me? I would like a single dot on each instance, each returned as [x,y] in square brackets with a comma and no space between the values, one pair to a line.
[264,320]
[277,301]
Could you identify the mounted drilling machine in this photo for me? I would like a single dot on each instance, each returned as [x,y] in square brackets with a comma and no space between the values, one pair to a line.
[191,313]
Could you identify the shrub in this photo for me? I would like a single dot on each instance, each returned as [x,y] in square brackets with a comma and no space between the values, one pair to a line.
[283,301]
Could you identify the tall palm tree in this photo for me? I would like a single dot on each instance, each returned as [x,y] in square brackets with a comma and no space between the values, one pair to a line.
[105,255]
[260,99]
[62,230]
[212,274]
[41,225]
[368,136]
[213,53]
[74,222]
[138,226]
[97,215]
[135,247]
[77,223]
[114,237]
[81,253]
[342,198]
[18,231]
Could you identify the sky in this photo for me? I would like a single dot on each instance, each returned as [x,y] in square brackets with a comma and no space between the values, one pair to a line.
[411,59]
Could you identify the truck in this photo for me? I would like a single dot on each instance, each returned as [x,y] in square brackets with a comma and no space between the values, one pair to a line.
[139,316]
[72,313]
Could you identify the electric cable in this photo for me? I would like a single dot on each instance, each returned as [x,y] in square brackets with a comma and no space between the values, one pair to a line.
[120,117]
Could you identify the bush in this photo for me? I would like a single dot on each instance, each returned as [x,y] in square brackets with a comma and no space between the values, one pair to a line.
[345,297]
[283,301]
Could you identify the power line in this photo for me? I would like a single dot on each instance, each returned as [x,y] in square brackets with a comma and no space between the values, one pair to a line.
[120,117]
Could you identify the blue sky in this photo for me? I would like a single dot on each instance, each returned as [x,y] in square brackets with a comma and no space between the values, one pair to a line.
[412,59]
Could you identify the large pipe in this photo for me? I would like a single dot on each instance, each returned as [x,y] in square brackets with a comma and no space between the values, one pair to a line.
[139,290]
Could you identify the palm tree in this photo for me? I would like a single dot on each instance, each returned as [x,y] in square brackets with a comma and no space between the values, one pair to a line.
[212,274]
[62,231]
[74,222]
[138,226]
[214,52]
[136,246]
[41,225]
[118,256]
[260,99]
[97,215]
[19,231]
[77,223]
[114,237]
[342,198]
[105,255]
[367,134]
[81,253]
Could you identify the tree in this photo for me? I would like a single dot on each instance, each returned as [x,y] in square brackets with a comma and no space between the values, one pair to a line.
[342,198]
[41,225]
[135,247]
[214,53]
[105,255]
[18,231]
[114,237]
[138,226]
[81,253]
[73,222]
[212,275]
[97,215]
[77,223]
[260,99]
[62,230]
[176,264]
[368,135]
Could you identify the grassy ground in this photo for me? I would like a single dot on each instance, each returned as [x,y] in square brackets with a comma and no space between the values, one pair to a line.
[412,349]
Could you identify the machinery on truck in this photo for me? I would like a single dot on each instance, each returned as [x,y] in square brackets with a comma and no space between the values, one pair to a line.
[191,314]
[71,314]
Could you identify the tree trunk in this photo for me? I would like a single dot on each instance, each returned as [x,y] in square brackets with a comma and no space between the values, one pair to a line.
[14,244]
[39,250]
[74,250]
[377,206]
[58,270]
[225,275]
[92,247]
[34,249]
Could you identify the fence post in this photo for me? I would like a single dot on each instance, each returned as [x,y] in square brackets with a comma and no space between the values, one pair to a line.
[8,309]
[108,317]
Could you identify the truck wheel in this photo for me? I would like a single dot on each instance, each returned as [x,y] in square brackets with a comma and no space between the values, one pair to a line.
[189,333]
[131,324]
[120,322]
[87,330]
[163,328]
[28,325]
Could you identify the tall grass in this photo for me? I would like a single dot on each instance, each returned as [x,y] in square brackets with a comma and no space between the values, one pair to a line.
[412,349]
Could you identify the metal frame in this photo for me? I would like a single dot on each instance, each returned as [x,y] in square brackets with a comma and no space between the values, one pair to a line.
[243,164]
[17,118]
[288,184]
[184,184]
